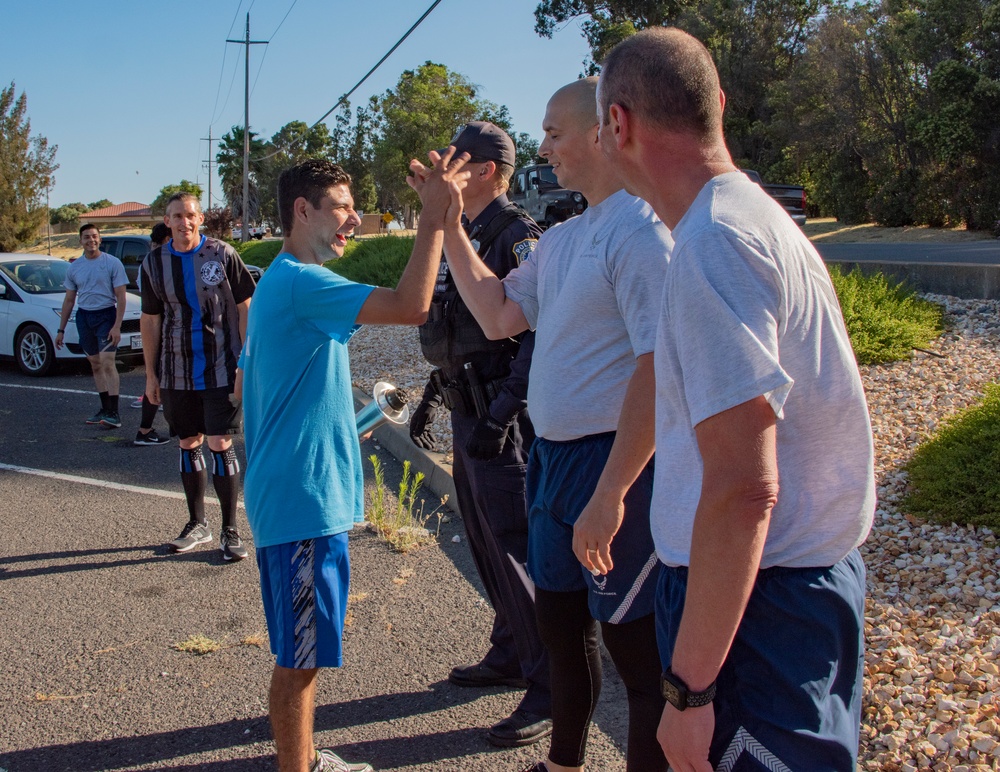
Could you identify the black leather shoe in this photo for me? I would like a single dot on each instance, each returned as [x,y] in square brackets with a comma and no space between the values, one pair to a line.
[519,728]
[482,675]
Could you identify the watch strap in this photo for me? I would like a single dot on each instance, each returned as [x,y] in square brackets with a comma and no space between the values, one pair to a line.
[677,693]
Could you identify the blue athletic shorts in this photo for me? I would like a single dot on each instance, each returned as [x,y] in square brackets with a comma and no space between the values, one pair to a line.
[304,586]
[562,477]
[94,328]
[789,694]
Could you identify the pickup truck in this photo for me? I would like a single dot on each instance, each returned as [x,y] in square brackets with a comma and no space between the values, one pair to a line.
[536,189]
[791,197]
[256,232]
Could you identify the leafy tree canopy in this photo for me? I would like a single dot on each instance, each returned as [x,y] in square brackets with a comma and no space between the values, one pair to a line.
[527,149]
[26,167]
[159,206]
[422,114]
[104,202]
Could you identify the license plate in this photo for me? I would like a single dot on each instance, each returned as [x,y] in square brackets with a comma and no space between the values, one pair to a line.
[137,342]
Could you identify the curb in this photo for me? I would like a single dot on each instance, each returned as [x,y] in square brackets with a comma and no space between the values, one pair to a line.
[396,439]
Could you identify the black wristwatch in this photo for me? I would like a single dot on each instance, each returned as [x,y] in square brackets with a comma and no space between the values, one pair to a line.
[60,332]
[676,692]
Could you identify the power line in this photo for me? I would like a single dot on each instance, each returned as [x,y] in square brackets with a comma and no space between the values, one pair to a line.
[380,61]
[357,85]
[222,70]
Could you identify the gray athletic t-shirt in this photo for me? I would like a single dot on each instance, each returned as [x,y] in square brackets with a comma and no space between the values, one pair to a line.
[749,311]
[592,289]
[94,280]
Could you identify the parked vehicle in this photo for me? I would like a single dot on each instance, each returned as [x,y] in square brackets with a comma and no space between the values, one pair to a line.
[255,232]
[131,250]
[538,191]
[31,298]
[791,197]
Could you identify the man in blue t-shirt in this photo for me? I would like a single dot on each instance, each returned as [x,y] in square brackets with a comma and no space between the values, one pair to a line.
[304,487]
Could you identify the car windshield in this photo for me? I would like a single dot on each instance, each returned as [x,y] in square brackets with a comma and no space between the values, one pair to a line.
[547,176]
[37,277]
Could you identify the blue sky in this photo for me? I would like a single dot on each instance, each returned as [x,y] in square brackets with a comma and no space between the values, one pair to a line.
[128,89]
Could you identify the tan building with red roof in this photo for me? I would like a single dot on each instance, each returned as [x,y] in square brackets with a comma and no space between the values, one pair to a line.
[129,213]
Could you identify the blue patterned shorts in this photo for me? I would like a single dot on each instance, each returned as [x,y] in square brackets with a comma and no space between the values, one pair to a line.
[304,586]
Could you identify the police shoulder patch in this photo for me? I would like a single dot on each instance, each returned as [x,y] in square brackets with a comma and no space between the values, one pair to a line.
[524,248]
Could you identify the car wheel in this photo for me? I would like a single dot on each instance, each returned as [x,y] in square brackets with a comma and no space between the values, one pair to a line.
[34,351]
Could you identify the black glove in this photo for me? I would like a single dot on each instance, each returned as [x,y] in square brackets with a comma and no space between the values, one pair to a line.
[420,421]
[487,439]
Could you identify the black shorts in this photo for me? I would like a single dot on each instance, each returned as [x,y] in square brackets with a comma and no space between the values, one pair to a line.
[209,411]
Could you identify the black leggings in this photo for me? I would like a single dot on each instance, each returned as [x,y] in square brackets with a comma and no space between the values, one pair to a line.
[570,636]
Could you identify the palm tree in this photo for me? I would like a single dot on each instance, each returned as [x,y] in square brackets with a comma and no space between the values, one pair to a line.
[230,165]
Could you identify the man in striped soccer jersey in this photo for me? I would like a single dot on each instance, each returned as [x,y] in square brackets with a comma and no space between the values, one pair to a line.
[195,298]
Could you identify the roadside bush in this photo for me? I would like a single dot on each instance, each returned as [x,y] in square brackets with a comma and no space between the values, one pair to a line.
[259,253]
[885,321]
[953,475]
[379,261]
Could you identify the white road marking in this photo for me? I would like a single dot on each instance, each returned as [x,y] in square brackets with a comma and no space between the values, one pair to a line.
[64,391]
[72,478]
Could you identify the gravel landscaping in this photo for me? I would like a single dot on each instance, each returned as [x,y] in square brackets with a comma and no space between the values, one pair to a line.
[932,676]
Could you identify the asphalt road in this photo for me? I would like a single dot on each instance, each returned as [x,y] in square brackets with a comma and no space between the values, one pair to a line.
[91,604]
[976,252]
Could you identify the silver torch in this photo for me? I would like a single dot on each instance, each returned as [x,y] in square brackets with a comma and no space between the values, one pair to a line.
[388,405]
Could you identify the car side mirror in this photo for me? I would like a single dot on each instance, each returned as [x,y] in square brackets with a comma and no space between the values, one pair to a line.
[533,182]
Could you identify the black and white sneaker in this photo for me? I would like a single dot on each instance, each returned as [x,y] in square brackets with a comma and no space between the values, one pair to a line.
[194,533]
[232,545]
[150,438]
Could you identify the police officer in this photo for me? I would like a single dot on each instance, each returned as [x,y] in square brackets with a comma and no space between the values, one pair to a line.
[484,384]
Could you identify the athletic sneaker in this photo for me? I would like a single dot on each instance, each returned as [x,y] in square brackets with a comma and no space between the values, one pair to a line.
[111,420]
[149,438]
[194,533]
[96,418]
[136,403]
[328,761]
[232,545]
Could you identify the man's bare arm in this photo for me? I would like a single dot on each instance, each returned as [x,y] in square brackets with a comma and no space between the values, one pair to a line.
[150,326]
[115,334]
[739,490]
[409,302]
[633,447]
[242,314]
[498,315]
[67,308]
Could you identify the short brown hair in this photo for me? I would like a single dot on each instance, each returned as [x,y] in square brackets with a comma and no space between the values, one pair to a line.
[665,76]
[183,196]
[89,226]
[309,180]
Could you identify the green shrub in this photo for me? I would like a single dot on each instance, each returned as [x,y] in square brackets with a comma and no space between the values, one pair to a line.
[259,253]
[953,475]
[379,261]
[885,321]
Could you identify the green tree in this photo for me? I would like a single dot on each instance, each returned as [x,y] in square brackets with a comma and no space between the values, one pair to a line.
[64,214]
[352,149]
[159,205]
[527,150]
[230,168]
[755,47]
[421,114]
[26,167]
[104,202]
[291,144]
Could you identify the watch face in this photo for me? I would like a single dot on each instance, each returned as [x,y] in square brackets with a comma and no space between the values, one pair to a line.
[670,692]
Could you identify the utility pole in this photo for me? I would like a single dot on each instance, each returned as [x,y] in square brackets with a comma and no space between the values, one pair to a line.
[209,163]
[246,127]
